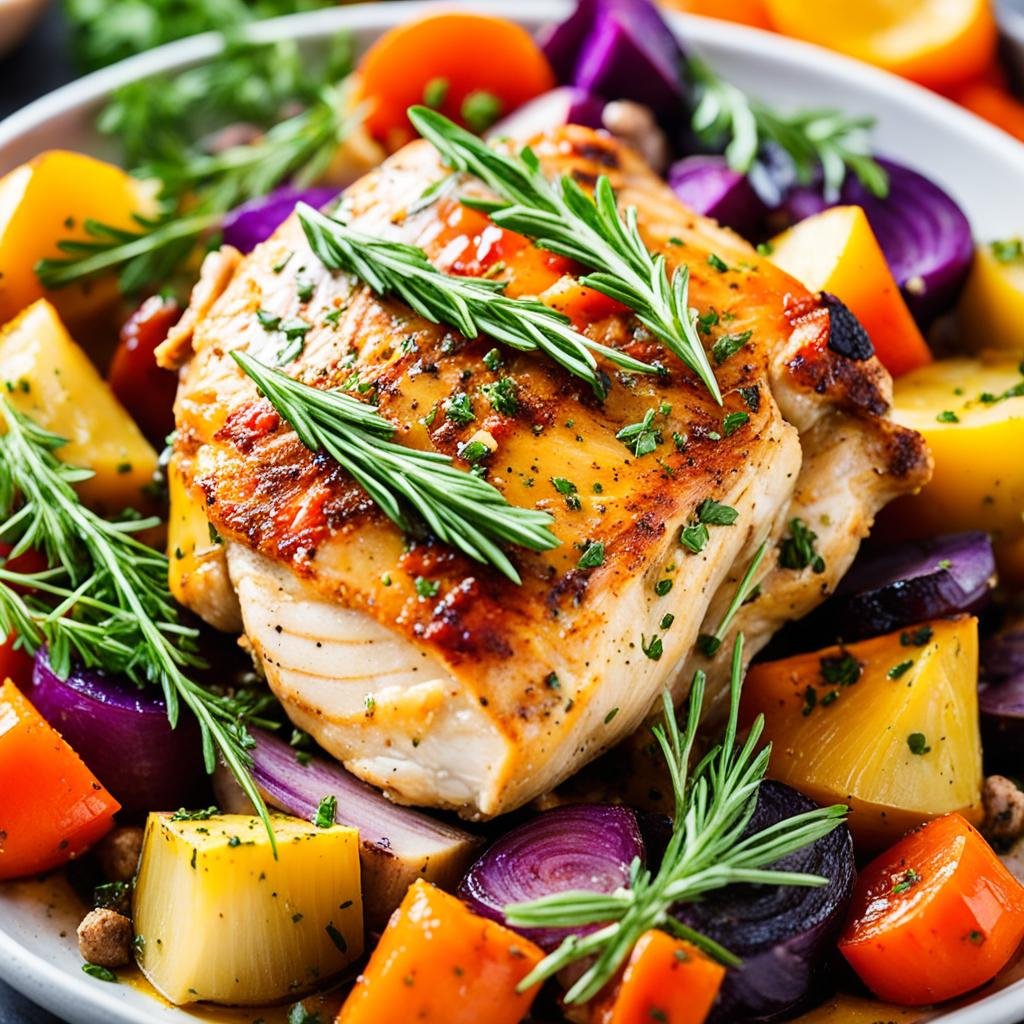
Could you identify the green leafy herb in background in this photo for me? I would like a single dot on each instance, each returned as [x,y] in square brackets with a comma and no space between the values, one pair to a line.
[104,31]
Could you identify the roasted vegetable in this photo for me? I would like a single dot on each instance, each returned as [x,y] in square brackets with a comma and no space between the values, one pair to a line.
[887,725]
[111,723]
[397,845]
[146,390]
[934,916]
[450,62]
[836,251]
[621,49]
[971,413]
[991,310]
[256,220]
[49,200]
[890,586]
[665,979]
[1001,697]
[438,963]
[784,935]
[48,377]
[937,43]
[710,186]
[218,918]
[588,847]
[52,808]
[567,104]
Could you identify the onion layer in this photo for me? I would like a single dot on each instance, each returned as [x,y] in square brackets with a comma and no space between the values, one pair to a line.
[708,185]
[565,105]
[589,847]
[256,220]
[121,732]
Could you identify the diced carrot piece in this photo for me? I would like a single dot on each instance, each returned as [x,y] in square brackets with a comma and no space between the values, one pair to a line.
[937,43]
[52,808]
[443,60]
[439,963]
[836,251]
[665,979]
[934,916]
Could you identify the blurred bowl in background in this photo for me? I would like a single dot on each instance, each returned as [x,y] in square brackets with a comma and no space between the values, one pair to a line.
[16,18]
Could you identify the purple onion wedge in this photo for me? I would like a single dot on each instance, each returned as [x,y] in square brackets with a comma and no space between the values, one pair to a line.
[708,185]
[121,732]
[785,935]
[397,844]
[1001,698]
[256,220]
[565,105]
[898,585]
[618,48]
[586,846]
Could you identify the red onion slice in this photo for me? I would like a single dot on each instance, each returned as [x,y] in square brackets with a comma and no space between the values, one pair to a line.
[589,846]
[708,185]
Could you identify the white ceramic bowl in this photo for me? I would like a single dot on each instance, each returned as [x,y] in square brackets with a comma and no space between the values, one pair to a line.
[979,165]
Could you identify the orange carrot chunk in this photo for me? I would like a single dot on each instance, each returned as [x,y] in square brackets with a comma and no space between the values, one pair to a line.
[665,979]
[52,808]
[439,963]
[474,68]
[934,916]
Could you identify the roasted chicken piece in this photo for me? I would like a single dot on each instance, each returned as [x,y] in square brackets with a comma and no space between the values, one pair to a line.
[435,677]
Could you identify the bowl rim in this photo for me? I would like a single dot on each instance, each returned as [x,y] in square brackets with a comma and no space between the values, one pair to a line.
[46,982]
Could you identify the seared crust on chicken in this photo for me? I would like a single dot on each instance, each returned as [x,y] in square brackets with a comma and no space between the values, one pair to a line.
[435,677]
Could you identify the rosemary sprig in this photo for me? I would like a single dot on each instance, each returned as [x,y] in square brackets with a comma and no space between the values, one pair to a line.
[459,508]
[472,305]
[563,218]
[709,643]
[104,598]
[196,193]
[813,139]
[707,851]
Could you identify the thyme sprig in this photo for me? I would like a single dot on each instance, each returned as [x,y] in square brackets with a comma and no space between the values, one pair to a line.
[472,305]
[103,599]
[459,508]
[561,217]
[707,851]
[823,139]
[197,191]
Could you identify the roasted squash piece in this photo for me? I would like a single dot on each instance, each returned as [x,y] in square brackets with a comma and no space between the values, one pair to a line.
[218,918]
[971,413]
[45,375]
[836,251]
[48,200]
[991,310]
[888,726]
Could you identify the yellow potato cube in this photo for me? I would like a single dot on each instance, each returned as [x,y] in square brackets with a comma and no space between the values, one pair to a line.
[991,310]
[47,200]
[45,375]
[888,726]
[971,413]
[217,918]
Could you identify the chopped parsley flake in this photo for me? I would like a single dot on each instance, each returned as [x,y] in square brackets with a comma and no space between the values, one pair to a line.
[906,880]
[493,360]
[459,409]
[502,396]
[593,556]
[797,550]
[643,437]
[840,669]
[947,416]
[99,973]
[694,537]
[1009,250]
[662,587]
[728,345]
[652,648]
[474,451]
[901,669]
[916,637]
[714,513]
[733,421]
[716,261]
[325,812]
[918,743]
[568,490]
[480,109]
[426,588]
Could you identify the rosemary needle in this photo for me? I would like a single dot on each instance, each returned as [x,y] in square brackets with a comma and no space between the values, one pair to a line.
[104,597]
[563,218]
[708,850]
[458,507]
[472,305]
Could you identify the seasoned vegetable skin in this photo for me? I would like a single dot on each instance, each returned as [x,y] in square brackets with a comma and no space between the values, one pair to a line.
[991,310]
[440,964]
[887,725]
[933,917]
[422,651]
[665,979]
[52,808]
[48,377]
[222,920]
